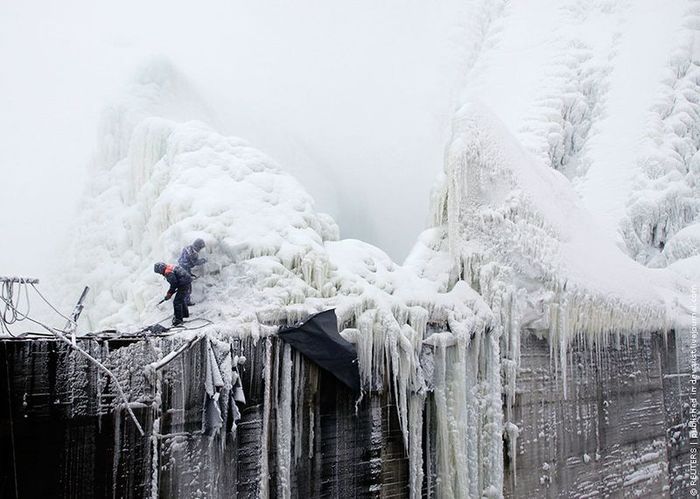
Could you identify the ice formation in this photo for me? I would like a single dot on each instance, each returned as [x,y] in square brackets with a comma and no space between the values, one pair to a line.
[663,217]
[513,221]
[512,249]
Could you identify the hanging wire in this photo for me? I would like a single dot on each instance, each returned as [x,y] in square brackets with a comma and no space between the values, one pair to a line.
[71,321]
[11,314]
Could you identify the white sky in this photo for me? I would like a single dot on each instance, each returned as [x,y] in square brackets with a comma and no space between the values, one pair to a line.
[355,99]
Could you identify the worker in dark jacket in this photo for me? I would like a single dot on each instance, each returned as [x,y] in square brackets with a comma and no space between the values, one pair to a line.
[189,258]
[180,285]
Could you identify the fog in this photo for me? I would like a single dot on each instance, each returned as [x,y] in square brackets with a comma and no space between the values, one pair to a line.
[354,99]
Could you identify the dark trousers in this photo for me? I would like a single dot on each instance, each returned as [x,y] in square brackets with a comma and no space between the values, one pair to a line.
[180,302]
[188,300]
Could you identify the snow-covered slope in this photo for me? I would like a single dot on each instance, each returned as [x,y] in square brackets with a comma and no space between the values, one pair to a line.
[501,207]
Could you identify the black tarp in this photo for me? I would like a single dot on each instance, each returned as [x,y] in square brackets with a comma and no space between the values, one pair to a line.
[317,338]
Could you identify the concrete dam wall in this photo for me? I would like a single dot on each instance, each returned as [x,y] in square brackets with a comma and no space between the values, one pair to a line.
[300,433]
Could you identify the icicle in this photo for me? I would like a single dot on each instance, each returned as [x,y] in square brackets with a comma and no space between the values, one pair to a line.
[415,447]
[284,425]
[264,492]
[155,465]
[512,431]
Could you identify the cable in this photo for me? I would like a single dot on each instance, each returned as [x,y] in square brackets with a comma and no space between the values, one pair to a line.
[50,305]
[60,334]
[207,323]
[11,313]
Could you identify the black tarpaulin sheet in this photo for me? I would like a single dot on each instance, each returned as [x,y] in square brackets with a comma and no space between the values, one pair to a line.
[317,338]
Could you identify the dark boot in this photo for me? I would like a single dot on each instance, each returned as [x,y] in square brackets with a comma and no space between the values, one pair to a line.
[177,322]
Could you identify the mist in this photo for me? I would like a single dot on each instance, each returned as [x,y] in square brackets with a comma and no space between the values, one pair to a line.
[354,100]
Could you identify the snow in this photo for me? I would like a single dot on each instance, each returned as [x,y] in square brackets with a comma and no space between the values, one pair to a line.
[688,268]
[684,244]
[513,246]
[272,259]
[633,86]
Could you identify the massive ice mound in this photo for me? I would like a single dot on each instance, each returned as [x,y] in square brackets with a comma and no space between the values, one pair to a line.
[182,181]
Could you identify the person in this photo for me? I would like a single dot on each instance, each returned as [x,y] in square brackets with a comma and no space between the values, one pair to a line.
[180,285]
[189,258]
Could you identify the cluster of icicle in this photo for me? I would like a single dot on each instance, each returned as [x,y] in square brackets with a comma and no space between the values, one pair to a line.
[414,336]
[447,322]
[511,250]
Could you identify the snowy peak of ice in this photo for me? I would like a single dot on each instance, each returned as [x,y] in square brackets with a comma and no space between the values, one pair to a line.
[182,181]
[158,89]
[504,208]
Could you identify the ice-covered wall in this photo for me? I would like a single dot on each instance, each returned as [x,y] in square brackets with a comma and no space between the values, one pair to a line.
[620,433]
[294,430]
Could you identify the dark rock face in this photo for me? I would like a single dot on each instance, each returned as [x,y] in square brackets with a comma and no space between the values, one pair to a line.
[64,433]
[60,435]
[612,434]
